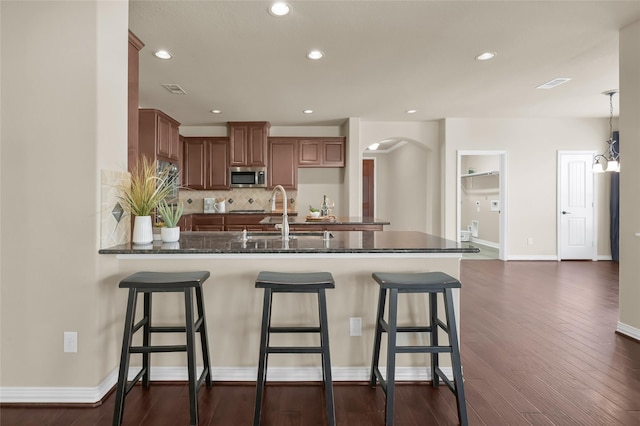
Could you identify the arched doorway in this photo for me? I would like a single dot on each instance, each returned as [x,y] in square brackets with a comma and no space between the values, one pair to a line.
[394,180]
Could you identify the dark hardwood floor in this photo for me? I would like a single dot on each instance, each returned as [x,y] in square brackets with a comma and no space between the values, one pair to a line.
[538,348]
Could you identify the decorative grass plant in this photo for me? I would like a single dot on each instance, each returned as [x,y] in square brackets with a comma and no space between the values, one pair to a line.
[170,215]
[147,188]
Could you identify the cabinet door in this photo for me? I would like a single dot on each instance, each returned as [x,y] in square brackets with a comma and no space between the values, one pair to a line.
[238,135]
[163,138]
[333,152]
[217,160]
[194,165]
[310,153]
[283,167]
[257,146]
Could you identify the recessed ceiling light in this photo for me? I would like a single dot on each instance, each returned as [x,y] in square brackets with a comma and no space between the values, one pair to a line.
[553,83]
[162,54]
[373,146]
[412,111]
[308,111]
[486,56]
[216,111]
[315,54]
[279,9]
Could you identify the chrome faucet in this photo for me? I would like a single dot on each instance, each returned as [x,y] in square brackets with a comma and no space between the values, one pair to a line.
[285,219]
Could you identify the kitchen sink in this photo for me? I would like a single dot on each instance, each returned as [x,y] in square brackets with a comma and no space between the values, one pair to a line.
[269,235]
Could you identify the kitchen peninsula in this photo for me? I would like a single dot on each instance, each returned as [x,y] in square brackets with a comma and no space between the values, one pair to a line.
[233,304]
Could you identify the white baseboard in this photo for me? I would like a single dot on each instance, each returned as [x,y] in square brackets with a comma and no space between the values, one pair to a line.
[485,242]
[604,257]
[532,257]
[92,395]
[627,330]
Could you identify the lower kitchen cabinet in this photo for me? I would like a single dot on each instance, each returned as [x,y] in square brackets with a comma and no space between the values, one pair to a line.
[207,222]
[238,222]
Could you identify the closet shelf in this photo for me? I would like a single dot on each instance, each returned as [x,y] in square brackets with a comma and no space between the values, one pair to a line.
[479,174]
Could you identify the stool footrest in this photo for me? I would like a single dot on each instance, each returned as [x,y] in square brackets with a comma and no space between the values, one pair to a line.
[152,349]
[407,328]
[294,350]
[294,329]
[168,329]
[423,349]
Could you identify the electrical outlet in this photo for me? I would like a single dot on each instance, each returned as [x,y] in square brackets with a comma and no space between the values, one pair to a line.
[355,326]
[71,341]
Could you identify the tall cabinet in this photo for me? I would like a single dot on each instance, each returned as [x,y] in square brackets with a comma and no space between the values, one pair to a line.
[248,143]
[205,163]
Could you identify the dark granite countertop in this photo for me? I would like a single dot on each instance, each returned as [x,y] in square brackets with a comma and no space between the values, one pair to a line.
[334,220]
[303,242]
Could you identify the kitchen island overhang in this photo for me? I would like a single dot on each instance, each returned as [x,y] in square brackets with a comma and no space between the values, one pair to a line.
[233,304]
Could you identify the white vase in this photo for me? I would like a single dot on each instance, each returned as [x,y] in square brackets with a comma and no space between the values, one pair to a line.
[170,235]
[142,230]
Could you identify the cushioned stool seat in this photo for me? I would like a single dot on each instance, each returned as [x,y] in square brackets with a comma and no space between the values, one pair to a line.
[305,282]
[154,282]
[425,282]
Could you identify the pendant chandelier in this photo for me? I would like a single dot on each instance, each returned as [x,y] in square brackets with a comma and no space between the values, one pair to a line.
[609,160]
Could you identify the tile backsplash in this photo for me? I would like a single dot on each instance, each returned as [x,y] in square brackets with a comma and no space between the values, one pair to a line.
[236,199]
[115,225]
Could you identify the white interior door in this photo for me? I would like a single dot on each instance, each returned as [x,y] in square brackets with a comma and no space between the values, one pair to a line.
[576,206]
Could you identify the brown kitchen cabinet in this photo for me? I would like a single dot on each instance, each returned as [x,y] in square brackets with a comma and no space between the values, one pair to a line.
[283,165]
[336,227]
[248,143]
[205,163]
[321,152]
[158,136]
[207,222]
[135,45]
[185,222]
[238,222]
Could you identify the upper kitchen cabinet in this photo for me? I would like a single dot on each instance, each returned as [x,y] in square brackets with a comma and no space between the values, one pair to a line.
[283,165]
[248,143]
[205,163]
[158,136]
[321,152]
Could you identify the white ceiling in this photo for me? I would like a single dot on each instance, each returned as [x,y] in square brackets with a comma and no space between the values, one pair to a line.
[382,58]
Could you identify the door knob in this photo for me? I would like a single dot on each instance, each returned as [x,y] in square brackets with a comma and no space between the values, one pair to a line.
[564,212]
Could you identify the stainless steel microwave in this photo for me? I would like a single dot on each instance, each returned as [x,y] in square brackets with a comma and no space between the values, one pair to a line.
[248,177]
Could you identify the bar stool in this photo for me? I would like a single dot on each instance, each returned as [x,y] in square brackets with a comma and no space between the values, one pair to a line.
[155,282]
[280,282]
[427,282]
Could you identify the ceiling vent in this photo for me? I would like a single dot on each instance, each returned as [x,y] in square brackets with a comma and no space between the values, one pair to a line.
[553,83]
[175,89]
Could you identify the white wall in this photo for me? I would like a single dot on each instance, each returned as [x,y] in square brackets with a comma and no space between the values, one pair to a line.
[63,106]
[401,182]
[407,199]
[532,146]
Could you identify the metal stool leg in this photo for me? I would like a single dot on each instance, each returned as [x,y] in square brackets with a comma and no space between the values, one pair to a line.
[455,358]
[262,362]
[391,356]
[121,389]
[146,341]
[191,356]
[326,359]
[378,336]
[433,315]
[204,341]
